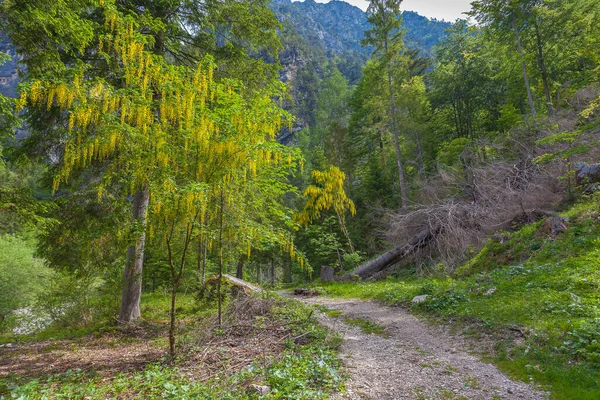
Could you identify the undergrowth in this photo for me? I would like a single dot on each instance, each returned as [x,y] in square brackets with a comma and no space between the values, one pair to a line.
[305,369]
[537,295]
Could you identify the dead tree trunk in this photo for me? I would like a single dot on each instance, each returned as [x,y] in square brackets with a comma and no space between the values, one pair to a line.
[386,260]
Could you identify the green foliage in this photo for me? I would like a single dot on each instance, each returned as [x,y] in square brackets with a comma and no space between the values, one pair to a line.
[22,277]
[450,153]
[352,260]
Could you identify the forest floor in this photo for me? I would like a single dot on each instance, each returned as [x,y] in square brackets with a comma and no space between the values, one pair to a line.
[391,354]
[264,343]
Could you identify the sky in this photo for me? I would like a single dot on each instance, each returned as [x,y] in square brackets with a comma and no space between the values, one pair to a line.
[449,10]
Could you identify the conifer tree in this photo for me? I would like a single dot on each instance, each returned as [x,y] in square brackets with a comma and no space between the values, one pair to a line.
[386,38]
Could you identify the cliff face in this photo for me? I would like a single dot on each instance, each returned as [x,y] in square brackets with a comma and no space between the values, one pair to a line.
[335,26]
[9,77]
[338,26]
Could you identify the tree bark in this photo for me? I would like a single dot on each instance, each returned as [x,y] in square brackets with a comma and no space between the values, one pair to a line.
[219,299]
[200,272]
[345,232]
[272,272]
[420,158]
[525,75]
[239,271]
[132,278]
[172,324]
[327,273]
[388,259]
[287,272]
[396,134]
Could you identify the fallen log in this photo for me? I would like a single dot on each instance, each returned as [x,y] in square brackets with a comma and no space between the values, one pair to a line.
[246,286]
[378,265]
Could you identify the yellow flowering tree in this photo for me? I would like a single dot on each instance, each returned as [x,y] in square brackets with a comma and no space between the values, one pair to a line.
[326,193]
[170,136]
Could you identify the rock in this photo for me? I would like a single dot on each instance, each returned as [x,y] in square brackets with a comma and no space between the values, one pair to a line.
[259,389]
[587,174]
[501,238]
[420,299]
[326,273]
[490,291]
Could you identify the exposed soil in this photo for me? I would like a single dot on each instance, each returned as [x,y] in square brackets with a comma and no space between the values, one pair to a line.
[413,360]
[206,353]
[106,355]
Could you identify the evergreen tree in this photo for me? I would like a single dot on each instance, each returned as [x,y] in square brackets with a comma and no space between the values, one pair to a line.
[386,38]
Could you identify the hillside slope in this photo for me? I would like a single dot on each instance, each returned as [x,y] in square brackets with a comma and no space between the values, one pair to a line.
[535,295]
[338,26]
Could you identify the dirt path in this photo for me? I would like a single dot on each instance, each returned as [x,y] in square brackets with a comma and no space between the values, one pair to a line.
[413,360]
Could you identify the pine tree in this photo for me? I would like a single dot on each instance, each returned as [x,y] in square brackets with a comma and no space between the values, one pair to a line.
[386,38]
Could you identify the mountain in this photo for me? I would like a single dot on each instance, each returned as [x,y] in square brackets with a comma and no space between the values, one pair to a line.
[338,27]
[315,35]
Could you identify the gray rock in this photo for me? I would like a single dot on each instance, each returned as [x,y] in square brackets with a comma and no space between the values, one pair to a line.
[490,291]
[587,174]
[420,299]
[260,389]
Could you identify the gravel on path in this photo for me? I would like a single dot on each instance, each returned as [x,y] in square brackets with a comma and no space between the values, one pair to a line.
[413,360]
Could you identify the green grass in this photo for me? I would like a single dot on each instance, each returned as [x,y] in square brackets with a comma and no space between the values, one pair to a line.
[367,326]
[548,288]
[333,313]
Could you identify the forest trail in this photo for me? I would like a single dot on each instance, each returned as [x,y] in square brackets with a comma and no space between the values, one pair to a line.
[412,360]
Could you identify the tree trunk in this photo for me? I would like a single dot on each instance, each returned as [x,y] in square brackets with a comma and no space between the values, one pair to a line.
[219,299]
[272,272]
[132,285]
[242,284]
[396,134]
[200,274]
[327,273]
[345,232]
[525,76]
[420,158]
[390,258]
[543,70]
[239,271]
[172,324]
[204,258]
[287,272]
